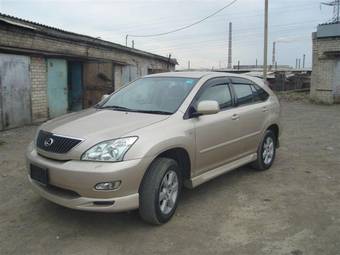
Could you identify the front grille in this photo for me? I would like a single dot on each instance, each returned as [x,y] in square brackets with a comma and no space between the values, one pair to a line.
[55,143]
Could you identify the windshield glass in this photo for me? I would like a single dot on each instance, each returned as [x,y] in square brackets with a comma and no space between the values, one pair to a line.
[162,95]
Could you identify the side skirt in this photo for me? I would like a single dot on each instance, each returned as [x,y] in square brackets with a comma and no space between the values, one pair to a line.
[207,176]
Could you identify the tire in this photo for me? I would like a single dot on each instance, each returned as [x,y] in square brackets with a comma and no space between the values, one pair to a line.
[267,147]
[157,199]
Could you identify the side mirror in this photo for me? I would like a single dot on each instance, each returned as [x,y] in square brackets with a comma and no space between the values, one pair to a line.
[208,107]
[104,97]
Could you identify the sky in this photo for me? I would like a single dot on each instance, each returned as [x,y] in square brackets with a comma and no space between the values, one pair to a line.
[291,23]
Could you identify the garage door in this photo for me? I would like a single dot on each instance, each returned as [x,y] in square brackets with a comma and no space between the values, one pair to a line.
[336,84]
[15,91]
[57,92]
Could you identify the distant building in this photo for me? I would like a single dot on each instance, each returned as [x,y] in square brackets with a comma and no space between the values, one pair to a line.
[252,67]
[46,72]
[325,85]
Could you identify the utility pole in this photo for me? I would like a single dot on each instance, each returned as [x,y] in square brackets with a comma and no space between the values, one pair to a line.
[189,65]
[230,60]
[299,63]
[133,44]
[336,9]
[304,61]
[256,63]
[265,50]
[126,40]
[274,54]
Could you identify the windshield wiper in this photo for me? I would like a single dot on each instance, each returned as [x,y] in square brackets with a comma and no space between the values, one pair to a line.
[116,107]
[154,112]
[122,108]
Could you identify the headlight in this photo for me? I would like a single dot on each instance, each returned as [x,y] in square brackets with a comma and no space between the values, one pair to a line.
[112,150]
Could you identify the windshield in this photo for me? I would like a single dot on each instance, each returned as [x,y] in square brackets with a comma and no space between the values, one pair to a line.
[161,95]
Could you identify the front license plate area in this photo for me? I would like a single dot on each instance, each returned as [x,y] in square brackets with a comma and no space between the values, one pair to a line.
[39,174]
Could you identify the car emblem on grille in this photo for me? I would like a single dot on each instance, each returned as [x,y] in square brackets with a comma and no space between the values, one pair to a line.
[48,142]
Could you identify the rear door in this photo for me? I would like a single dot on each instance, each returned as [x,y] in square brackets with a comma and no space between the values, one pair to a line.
[252,112]
[216,135]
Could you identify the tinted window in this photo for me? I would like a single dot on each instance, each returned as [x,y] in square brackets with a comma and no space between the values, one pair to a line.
[259,93]
[219,93]
[243,93]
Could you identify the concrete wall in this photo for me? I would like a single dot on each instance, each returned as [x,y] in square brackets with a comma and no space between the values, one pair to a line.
[324,72]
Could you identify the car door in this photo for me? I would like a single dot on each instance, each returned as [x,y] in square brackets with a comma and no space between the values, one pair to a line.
[252,112]
[217,134]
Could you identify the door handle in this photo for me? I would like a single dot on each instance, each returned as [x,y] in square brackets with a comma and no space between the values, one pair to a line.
[235,117]
[264,109]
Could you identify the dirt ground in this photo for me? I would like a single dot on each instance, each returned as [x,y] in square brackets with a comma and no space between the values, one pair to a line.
[294,208]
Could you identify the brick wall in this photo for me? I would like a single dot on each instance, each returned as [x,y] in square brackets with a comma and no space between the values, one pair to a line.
[323,74]
[39,89]
[27,42]
[18,38]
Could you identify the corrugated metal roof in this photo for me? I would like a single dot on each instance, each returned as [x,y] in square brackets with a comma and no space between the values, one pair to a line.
[57,32]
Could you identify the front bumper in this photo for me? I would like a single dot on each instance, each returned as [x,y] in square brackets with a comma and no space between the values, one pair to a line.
[71,183]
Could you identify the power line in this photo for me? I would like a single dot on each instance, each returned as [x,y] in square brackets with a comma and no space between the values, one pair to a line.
[160,22]
[187,26]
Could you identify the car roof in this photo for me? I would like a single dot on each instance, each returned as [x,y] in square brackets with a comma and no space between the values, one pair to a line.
[199,75]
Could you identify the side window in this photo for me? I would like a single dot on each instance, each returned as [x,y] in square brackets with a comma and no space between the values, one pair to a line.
[259,93]
[243,93]
[256,95]
[219,93]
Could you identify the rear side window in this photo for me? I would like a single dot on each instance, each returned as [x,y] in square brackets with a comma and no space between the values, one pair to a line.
[219,93]
[260,95]
[244,94]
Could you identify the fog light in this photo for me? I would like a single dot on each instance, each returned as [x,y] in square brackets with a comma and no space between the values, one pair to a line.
[108,185]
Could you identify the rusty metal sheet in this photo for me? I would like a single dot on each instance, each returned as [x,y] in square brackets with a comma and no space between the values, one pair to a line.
[98,80]
[15,91]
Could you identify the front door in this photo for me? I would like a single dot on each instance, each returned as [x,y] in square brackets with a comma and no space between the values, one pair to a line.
[57,92]
[216,135]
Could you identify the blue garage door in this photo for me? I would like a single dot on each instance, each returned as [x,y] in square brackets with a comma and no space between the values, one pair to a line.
[57,91]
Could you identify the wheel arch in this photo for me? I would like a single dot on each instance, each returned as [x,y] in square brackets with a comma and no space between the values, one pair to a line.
[276,130]
[180,155]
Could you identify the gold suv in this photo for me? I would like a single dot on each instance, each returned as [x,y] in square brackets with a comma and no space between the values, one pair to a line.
[139,146]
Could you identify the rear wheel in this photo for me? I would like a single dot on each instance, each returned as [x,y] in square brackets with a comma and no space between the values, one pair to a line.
[266,151]
[159,191]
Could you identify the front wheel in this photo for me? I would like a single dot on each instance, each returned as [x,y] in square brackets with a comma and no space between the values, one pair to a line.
[266,152]
[159,191]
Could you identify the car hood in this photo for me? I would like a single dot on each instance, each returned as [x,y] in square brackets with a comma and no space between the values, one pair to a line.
[100,124]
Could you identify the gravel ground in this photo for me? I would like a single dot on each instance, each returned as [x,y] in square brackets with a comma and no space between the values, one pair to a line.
[294,208]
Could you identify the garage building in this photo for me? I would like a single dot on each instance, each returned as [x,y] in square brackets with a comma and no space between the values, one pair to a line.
[325,86]
[46,72]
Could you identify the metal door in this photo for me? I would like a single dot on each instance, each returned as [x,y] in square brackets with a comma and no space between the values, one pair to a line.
[129,73]
[76,86]
[57,87]
[336,83]
[15,91]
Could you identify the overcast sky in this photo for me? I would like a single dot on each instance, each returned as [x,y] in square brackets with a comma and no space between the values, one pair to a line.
[291,23]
